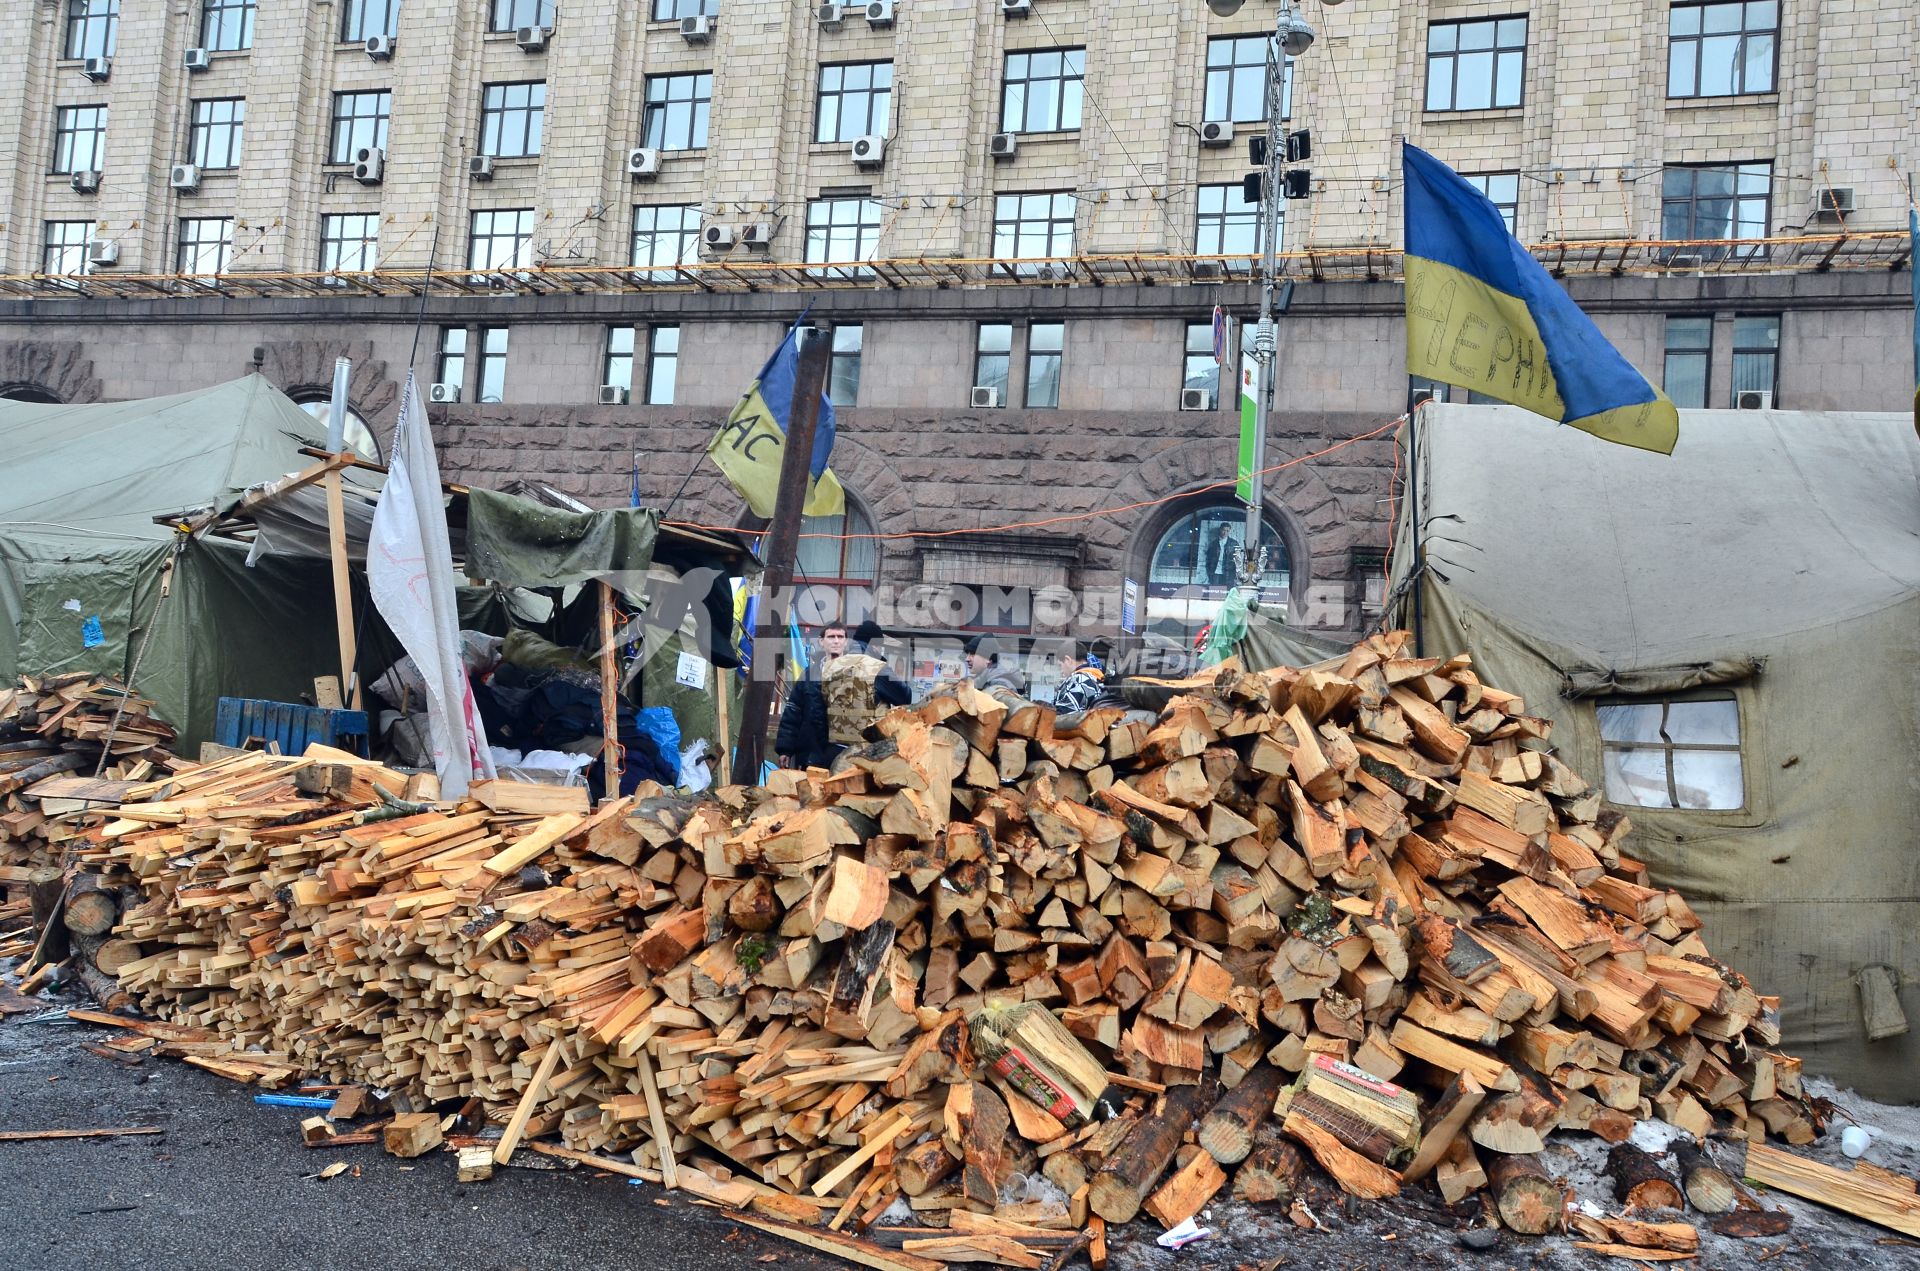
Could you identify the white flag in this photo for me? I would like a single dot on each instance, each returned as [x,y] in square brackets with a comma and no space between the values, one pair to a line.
[410,575]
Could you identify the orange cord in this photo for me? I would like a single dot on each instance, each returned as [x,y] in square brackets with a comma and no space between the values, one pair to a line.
[1073,516]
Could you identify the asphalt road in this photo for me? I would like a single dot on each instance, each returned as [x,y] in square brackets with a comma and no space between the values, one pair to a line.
[229,1184]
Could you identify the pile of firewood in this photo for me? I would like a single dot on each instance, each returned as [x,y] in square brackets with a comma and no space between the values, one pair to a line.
[53,733]
[1358,911]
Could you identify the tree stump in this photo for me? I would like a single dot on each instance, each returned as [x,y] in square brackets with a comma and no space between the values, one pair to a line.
[1639,1181]
[1528,1201]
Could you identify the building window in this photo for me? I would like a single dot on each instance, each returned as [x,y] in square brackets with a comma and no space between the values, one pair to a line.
[842,230]
[1227,225]
[359,122]
[1030,225]
[511,15]
[355,430]
[349,241]
[1046,346]
[1756,356]
[363,18]
[1689,354]
[616,369]
[1042,91]
[1200,369]
[64,247]
[219,127]
[1502,190]
[674,10]
[835,567]
[666,235]
[843,366]
[92,26]
[854,101]
[493,365]
[1717,203]
[663,364]
[226,26]
[453,357]
[993,357]
[501,239]
[676,114]
[1721,50]
[1202,549]
[1237,80]
[79,138]
[206,245]
[1476,65]
[510,119]
[1672,752]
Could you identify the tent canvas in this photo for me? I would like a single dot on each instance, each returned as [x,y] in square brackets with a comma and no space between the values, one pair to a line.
[1772,562]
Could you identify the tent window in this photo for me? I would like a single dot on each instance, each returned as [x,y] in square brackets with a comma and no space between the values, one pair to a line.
[1677,752]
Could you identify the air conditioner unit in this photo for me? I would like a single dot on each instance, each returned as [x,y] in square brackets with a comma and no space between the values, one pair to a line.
[1833,202]
[880,13]
[369,164]
[379,47]
[198,59]
[757,234]
[1753,399]
[184,177]
[480,167]
[103,251]
[443,393]
[1208,269]
[720,237]
[697,29]
[531,39]
[1196,399]
[85,182]
[643,161]
[1048,272]
[97,68]
[985,398]
[829,15]
[869,152]
[613,395]
[1216,133]
[1016,8]
[1004,145]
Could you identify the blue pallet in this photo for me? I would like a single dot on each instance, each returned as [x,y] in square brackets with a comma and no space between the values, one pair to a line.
[292,725]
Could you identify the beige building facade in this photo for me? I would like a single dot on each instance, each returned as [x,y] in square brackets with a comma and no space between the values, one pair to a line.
[1055,209]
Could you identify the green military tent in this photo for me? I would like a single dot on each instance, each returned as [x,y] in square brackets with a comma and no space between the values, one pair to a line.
[1729,638]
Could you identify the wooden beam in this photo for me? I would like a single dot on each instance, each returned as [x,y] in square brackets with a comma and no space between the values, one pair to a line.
[609,681]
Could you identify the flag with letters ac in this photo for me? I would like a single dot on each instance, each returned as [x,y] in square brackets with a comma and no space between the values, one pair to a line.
[749,445]
[1482,313]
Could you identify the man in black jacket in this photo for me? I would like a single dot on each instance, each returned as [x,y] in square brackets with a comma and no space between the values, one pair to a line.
[802,739]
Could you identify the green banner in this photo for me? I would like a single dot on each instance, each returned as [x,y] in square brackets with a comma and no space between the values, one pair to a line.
[1249,421]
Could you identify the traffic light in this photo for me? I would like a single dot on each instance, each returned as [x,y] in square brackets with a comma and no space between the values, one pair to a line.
[1299,184]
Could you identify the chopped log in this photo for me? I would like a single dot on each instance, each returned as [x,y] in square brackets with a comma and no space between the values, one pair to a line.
[1356,1175]
[1639,1182]
[1228,1131]
[92,906]
[413,1134]
[1187,1190]
[1130,1172]
[1272,1171]
[1447,1119]
[978,1124]
[1708,1188]
[919,1167]
[1527,1200]
[1751,1224]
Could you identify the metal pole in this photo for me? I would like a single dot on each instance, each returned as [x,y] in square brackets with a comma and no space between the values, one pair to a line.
[1252,557]
[337,407]
[344,631]
[783,542]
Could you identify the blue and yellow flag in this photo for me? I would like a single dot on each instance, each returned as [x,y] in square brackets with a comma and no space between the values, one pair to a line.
[749,445]
[1483,314]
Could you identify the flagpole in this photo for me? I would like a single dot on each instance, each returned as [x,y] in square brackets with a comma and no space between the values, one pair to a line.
[782,545]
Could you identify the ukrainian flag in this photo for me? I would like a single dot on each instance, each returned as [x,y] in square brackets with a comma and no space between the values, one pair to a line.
[1483,314]
[749,445]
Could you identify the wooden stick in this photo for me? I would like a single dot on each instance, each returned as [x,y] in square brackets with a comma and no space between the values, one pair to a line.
[24,1136]
[722,712]
[657,1118]
[609,677]
[863,1252]
[1837,1189]
[524,1112]
[342,583]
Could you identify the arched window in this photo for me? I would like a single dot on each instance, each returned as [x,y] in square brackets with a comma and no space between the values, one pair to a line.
[28,393]
[833,574]
[1196,559]
[360,438]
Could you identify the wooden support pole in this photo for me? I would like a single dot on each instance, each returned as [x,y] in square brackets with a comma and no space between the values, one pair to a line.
[783,538]
[609,682]
[342,585]
[722,724]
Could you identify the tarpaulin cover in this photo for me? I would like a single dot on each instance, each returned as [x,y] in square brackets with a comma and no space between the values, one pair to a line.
[1774,556]
[526,544]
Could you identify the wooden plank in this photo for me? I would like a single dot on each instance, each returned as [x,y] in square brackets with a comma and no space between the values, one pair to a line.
[1864,1198]
[657,1118]
[523,1113]
[28,1136]
[863,1252]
